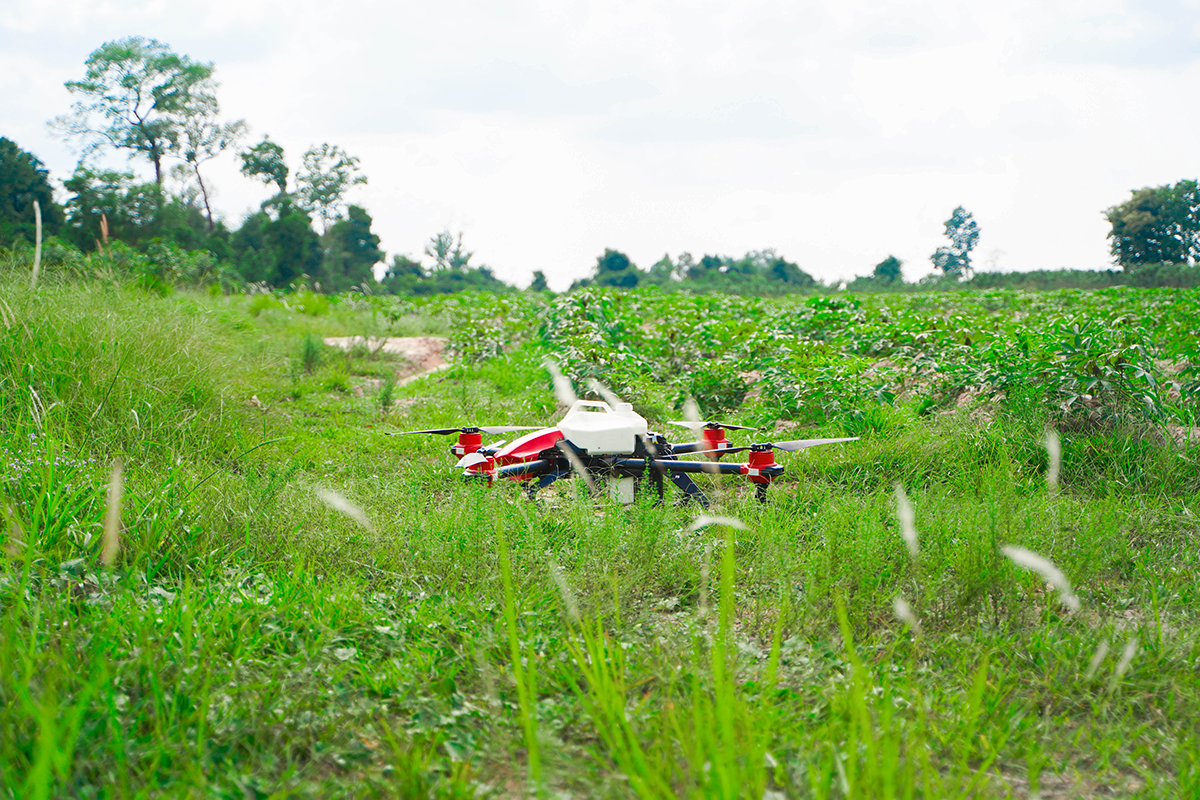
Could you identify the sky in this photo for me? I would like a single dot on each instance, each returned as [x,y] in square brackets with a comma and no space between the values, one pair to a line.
[837,133]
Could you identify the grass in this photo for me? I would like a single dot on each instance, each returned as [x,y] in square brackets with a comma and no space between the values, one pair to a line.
[251,639]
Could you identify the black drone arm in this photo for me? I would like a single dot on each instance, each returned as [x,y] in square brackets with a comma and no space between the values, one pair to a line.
[638,465]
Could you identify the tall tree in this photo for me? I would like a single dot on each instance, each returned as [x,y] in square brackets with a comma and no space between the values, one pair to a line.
[963,233]
[539,282]
[448,253]
[352,253]
[265,161]
[133,96]
[889,270]
[615,269]
[202,137]
[1157,225]
[780,269]
[328,174]
[23,179]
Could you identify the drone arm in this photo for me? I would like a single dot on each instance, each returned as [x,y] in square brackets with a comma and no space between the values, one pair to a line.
[527,470]
[636,465]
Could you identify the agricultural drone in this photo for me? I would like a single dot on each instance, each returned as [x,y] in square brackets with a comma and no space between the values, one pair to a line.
[606,440]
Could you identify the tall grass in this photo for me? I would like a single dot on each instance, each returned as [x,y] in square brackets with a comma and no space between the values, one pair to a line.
[255,637]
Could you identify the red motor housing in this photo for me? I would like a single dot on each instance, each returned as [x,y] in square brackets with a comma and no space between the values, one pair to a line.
[759,460]
[714,439]
[467,443]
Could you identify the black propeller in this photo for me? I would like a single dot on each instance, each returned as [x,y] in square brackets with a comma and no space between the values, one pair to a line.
[488,429]
[790,446]
[695,426]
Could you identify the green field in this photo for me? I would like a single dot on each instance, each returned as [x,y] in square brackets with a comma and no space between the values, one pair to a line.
[252,640]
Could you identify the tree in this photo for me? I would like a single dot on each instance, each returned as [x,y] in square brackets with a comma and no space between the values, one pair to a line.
[539,282]
[352,253]
[963,233]
[705,268]
[889,270]
[265,161]
[134,95]
[615,269]
[135,213]
[1157,225]
[662,272]
[202,138]
[23,179]
[783,271]
[447,253]
[328,174]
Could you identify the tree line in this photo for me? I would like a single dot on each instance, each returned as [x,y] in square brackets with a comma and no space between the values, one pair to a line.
[140,97]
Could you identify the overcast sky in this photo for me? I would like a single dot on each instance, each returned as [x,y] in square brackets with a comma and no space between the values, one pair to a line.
[835,132]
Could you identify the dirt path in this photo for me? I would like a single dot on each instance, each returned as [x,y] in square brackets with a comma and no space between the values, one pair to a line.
[424,354]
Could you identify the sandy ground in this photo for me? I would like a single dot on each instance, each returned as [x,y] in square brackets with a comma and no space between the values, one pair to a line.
[424,354]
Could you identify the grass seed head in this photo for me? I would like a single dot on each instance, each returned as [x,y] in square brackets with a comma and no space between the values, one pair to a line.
[602,390]
[563,389]
[344,506]
[1044,567]
[564,590]
[905,614]
[1097,659]
[15,537]
[908,528]
[704,520]
[577,465]
[1054,451]
[112,518]
[1126,657]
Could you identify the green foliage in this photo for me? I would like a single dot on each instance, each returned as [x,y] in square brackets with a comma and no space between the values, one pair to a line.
[759,272]
[1157,225]
[615,269]
[134,213]
[312,352]
[277,252]
[954,261]
[351,252]
[23,179]
[539,282]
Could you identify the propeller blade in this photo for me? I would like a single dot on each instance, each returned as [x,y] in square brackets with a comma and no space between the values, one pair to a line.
[697,425]
[790,446]
[691,411]
[563,389]
[800,444]
[470,460]
[492,430]
[494,446]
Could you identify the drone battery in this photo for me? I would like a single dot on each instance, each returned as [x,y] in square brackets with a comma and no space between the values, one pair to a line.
[604,430]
